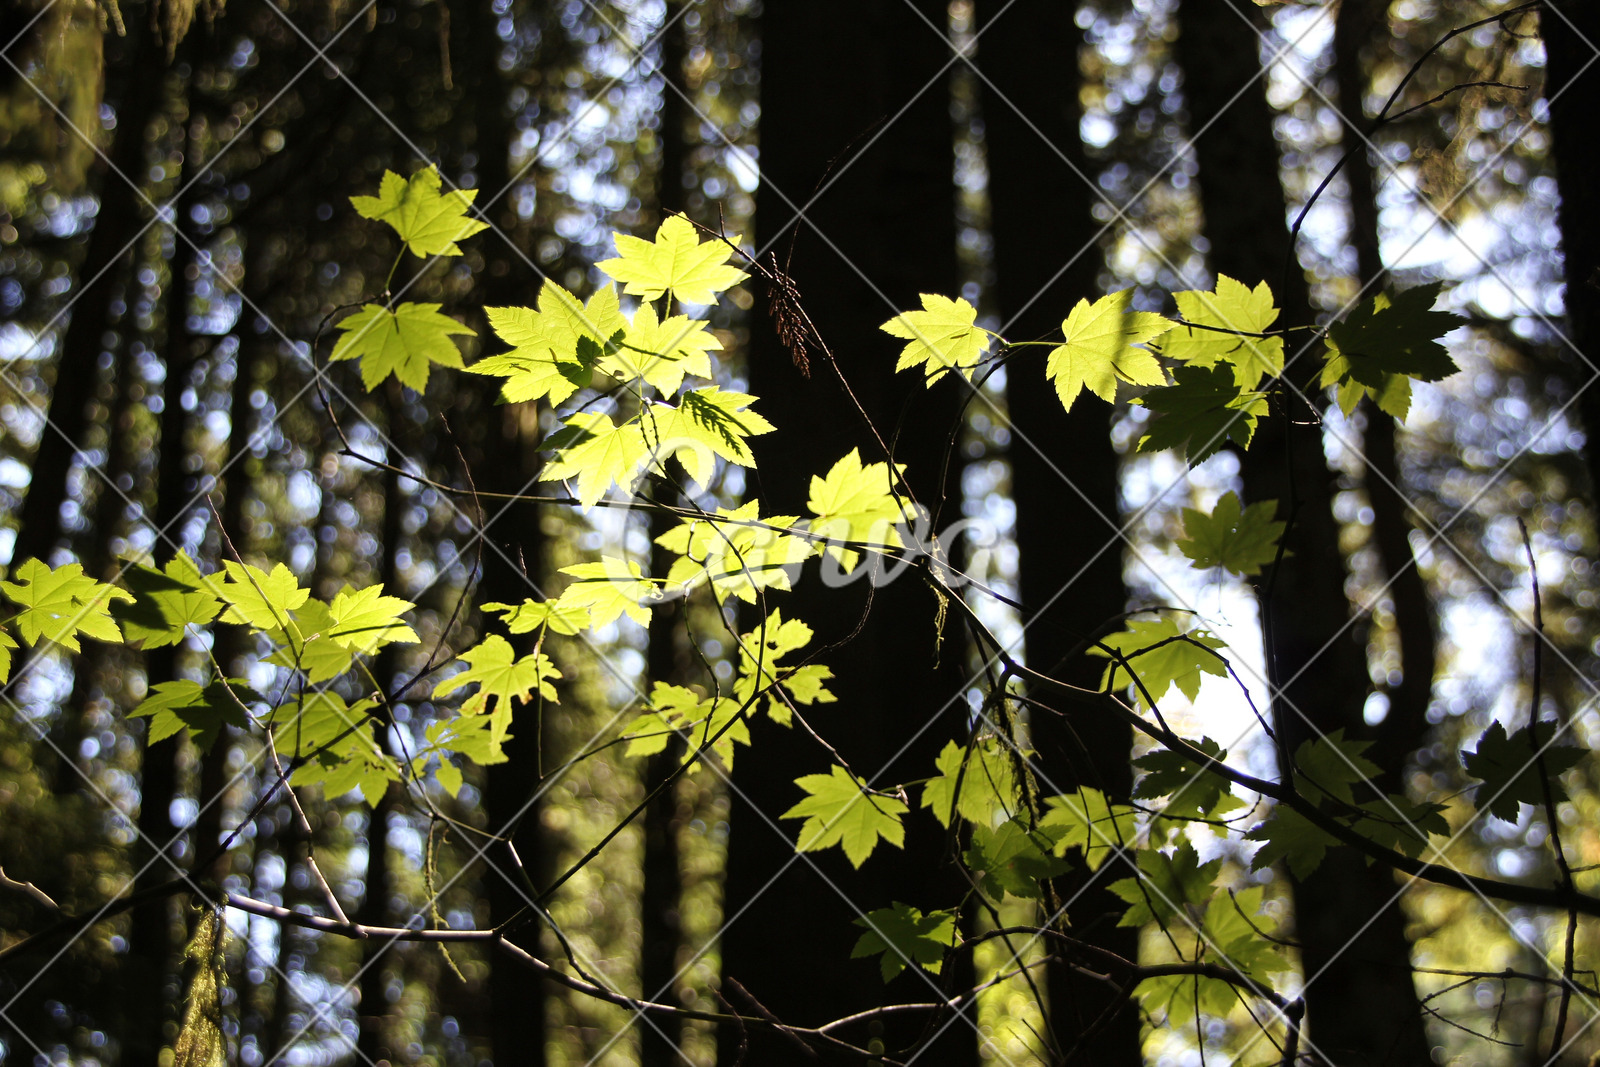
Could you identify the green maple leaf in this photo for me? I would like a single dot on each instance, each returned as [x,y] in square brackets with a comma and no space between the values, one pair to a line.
[855,503]
[707,423]
[943,337]
[58,605]
[1101,349]
[1163,654]
[1200,412]
[988,786]
[904,935]
[1089,822]
[331,744]
[1384,343]
[256,598]
[1193,791]
[759,653]
[404,342]
[739,557]
[677,261]
[530,615]
[202,710]
[7,644]
[307,644]
[610,588]
[1234,924]
[662,352]
[1167,886]
[1331,766]
[840,812]
[428,221]
[1291,837]
[1402,824]
[1510,773]
[501,679]
[534,368]
[1015,857]
[1233,306]
[1240,541]
[166,602]
[677,710]
[472,737]
[597,452]
[364,620]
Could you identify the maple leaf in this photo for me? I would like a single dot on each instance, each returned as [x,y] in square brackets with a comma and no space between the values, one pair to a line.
[739,557]
[904,935]
[608,589]
[662,352]
[597,452]
[1167,886]
[1015,857]
[428,221]
[1087,821]
[530,615]
[676,710]
[677,261]
[1163,655]
[1232,310]
[307,644]
[1193,791]
[840,812]
[534,368]
[1402,824]
[1510,773]
[501,679]
[706,423]
[1331,766]
[855,503]
[201,710]
[1384,343]
[404,342]
[332,744]
[166,602]
[988,786]
[1291,837]
[1200,412]
[256,598]
[1238,541]
[364,620]
[943,336]
[58,605]
[759,653]
[1101,349]
[7,645]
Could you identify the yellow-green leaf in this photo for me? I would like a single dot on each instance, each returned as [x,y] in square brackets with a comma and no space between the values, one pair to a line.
[428,221]
[404,342]
[610,588]
[942,337]
[58,605]
[1101,349]
[840,812]
[501,678]
[854,503]
[597,453]
[364,620]
[707,423]
[677,261]
[662,352]
[1239,540]
[1222,320]
[167,602]
[256,598]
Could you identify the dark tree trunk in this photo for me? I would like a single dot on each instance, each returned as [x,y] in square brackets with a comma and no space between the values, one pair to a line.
[881,232]
[1359,24]
[118,221]
[1572,88]
[1063,467]
[1361,1002]
[660,923]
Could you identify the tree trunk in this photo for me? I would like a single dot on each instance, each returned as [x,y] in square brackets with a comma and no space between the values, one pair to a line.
[1361,1002]
[1063,467]
[881,232]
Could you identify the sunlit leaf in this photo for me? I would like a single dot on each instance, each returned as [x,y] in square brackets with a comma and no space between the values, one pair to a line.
[404,342]
[1102,349]
[942,337]
[1239,541]
[840,812]
[428,221]
[677,261]
[62,604]
[902,934]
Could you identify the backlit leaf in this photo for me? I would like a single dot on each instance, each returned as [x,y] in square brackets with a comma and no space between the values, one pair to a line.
[610,588]
[1200,412]
[364,620]
[677,261]
[167,602]
[855,503]
[1232,311]
[428,221]
[902,934]
[501,679]
[943,336]
[1163,654]
[597,452]
[1240,541]
[1509,771]
[838,812]
[201,710]
[404,342]
[62,604]
[257,598]
[1102,349]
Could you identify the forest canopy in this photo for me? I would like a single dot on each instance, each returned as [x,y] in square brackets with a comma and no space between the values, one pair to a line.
[719,532]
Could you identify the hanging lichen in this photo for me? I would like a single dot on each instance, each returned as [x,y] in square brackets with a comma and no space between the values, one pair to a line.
[201,1042]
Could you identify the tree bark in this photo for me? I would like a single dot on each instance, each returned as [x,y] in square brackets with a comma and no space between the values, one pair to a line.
[1361,1003]
[1063,467]
[881,230]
